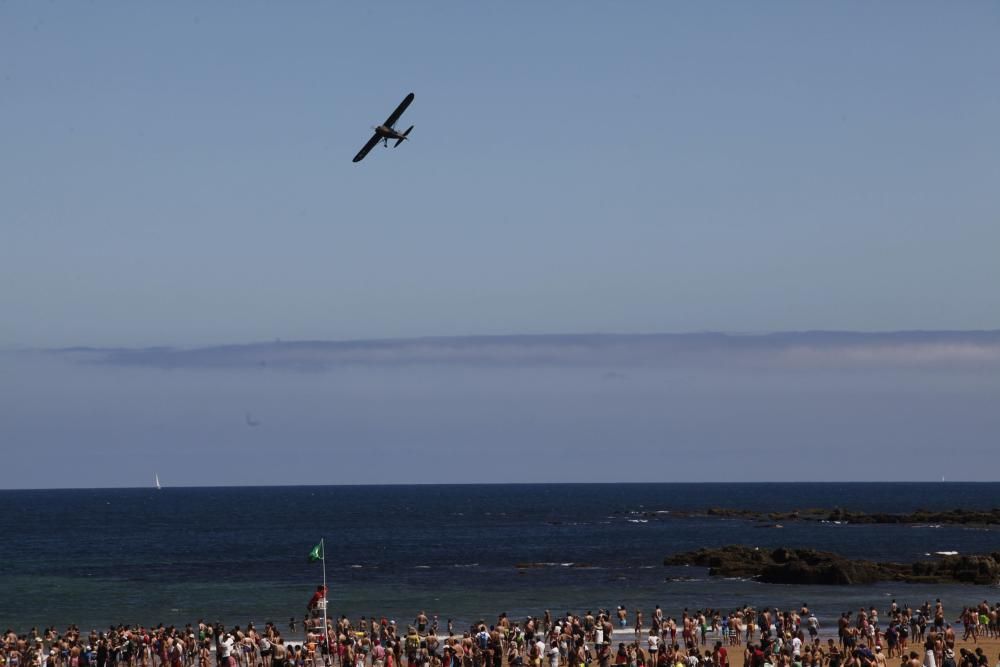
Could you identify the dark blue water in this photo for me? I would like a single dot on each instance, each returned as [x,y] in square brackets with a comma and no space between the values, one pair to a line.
[95,557]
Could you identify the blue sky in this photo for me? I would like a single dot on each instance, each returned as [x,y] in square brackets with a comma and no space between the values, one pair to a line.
[180,173]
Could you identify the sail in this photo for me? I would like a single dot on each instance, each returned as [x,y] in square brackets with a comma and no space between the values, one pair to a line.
[156,478]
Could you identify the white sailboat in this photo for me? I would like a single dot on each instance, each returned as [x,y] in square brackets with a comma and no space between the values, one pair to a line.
[156,480]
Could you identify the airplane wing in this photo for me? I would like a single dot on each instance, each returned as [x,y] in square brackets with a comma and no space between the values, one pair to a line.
[394,116]
[367,147]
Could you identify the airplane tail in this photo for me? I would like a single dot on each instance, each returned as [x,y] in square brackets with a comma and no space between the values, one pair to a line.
[399,141]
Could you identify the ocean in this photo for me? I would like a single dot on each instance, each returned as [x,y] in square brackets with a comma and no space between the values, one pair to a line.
[106,556]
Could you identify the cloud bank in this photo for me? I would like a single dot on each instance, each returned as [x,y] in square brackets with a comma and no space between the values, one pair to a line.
[783,350]
[692,407]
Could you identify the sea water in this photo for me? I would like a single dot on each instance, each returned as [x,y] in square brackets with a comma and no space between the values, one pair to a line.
[97,557]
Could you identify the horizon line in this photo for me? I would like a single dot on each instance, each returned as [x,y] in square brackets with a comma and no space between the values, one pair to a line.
[465,484]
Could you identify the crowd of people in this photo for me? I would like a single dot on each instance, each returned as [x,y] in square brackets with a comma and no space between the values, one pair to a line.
[910,637]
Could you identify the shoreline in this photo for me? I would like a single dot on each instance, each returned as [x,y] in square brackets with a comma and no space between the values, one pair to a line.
[308,654]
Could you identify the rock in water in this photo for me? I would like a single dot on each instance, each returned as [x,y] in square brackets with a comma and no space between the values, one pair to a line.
[809,566]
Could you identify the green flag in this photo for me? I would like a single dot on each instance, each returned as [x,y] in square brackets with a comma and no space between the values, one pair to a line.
[316,553]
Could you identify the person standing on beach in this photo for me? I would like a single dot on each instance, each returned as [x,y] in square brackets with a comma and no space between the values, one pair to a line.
[797,645]
[720,656]
[604,655]
[812,624]
[226,651]
[929,658]
[553,654]
[205,655]
[949,636]
[609,629]
[970,619]
[412,646]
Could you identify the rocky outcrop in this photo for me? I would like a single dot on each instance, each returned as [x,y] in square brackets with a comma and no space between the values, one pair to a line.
[959,516]
[955,516]
[837,515]
[808,566]
[972,569]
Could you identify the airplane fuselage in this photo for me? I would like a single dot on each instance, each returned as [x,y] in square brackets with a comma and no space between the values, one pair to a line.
[387,132]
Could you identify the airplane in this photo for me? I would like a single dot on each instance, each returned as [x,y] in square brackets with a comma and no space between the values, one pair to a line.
[385,131]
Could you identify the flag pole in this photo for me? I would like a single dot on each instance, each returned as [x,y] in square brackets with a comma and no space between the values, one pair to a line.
[326,635]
